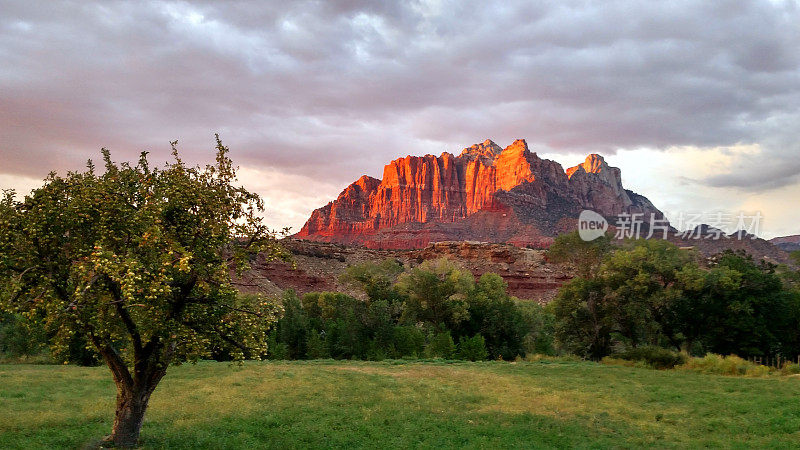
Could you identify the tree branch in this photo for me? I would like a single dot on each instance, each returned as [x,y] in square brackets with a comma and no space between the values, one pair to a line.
[123,313]
[114,361]
[218,332]
[231,341]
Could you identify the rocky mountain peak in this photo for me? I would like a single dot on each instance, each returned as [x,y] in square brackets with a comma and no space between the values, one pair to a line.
[594,163]
[519,146]
[487,150]
[486,193]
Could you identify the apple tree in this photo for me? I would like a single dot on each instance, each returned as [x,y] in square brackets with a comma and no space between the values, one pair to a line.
[138,260]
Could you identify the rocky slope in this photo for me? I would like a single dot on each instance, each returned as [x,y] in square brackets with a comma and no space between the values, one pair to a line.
[708,245]
[787,243]
[317,266]
[486,194]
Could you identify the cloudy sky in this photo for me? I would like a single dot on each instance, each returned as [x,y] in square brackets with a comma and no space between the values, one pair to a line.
[697,102]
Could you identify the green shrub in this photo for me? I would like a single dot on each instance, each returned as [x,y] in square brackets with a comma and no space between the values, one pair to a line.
[541,322]
[375,352]
[315,347]
[20,338]
[654,356]
[441,345]
[472,349]
[293,327]
[408,341]
[275,349]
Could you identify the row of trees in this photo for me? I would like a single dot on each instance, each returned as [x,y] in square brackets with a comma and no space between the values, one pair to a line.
[650,292]
[643,293]
[434,310]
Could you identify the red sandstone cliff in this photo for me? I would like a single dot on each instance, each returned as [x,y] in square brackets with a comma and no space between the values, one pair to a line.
[486,193]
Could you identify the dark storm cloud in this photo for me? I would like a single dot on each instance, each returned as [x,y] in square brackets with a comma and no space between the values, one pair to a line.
[338,88]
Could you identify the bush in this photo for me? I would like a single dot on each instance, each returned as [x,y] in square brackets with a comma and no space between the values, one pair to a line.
[441,345]
[275,349]
[315,347]
[293,327]
[375,352]
[541,322]
[472,349]
[408,341]
[20,338]
[790,369]
[725,365]
[654,356]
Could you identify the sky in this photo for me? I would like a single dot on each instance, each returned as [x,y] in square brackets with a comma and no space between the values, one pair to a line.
[698,102]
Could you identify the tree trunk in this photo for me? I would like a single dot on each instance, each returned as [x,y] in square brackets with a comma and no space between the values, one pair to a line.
[131,406]
[133,392]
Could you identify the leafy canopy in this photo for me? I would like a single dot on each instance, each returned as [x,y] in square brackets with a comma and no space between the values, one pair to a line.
[585,256]
[650,292]
[138,259]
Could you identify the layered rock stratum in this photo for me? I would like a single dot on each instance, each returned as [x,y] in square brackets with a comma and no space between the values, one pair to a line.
[486,193]
[318,266]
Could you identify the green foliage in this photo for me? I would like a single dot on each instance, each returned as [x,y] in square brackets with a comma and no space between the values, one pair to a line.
[408,341]
[437,292]
[635,282]
[757,315]
[315,346]
[653,356]
[293,327]
[424,312]
[441,345]
[20,338]
[584,321]
[540,337]
[377,280]
[136,256]
[277,350]
[497,317]
[652,293]
[78,350]
[473,348]
[585,256]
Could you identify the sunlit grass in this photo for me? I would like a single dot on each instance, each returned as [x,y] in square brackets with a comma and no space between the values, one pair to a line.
[362,404]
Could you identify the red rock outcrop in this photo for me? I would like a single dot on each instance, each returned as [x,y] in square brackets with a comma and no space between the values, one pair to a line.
[486,193]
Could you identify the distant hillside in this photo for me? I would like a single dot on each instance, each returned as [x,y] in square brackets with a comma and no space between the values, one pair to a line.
[787,243]
[317,266]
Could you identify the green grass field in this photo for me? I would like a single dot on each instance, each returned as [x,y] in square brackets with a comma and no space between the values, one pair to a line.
[424,404]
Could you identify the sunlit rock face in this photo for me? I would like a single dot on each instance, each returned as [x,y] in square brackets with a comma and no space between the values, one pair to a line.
[486,193]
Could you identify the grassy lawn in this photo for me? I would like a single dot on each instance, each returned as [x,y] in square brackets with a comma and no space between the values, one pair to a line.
[430,405]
